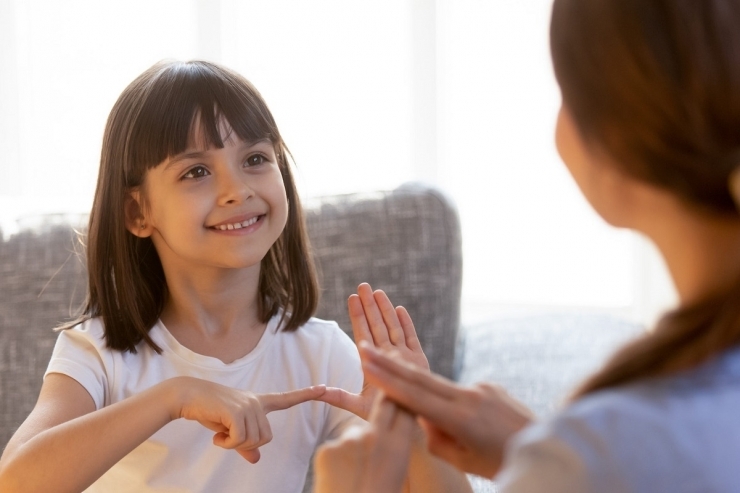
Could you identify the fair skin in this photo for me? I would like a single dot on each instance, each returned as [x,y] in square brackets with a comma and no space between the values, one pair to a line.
[384,444]
[470,426]
[66,444]
[377,323]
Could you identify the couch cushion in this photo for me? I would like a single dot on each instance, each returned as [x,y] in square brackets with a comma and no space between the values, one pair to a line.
[42,285]
[406,242]
[540,358]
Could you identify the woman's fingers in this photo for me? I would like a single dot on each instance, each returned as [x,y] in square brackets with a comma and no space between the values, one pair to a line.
[447,449]
[285,400]
[415,398]
[409,373]
[420,392]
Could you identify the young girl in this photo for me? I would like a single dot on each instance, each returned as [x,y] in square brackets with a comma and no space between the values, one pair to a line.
[201,291]
[650,131]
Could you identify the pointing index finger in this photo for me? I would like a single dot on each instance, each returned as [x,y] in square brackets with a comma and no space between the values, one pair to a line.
[284,400]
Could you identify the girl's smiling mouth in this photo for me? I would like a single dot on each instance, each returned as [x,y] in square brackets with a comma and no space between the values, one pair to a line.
[238,223]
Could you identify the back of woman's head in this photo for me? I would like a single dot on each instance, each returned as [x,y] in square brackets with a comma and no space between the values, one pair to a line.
[655,85]
[153,119]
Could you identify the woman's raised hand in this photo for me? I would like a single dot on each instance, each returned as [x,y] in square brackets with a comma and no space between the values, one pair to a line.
[376,322]
[466,426]
[368,459]
[238,417]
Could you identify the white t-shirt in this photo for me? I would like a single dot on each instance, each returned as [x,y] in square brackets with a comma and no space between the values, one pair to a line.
[181,456]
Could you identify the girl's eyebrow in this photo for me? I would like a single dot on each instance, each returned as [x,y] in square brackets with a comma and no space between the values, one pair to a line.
[183,156]
[199,154]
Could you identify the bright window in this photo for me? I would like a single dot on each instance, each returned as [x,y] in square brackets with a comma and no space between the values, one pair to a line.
[368,94]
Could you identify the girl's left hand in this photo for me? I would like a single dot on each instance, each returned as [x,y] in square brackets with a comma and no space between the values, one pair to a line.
[370,458]
[378,323]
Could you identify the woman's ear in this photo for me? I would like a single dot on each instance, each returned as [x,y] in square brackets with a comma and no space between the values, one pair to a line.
[136,221]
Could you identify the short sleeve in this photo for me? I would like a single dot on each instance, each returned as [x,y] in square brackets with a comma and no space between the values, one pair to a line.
[538,461]
[80,353]
[345,372]
[567,454]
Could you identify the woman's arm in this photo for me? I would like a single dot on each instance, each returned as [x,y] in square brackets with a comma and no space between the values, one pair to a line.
[65,444]
[466,426]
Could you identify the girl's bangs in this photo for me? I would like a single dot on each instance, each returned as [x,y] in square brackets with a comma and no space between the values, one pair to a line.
[187,106]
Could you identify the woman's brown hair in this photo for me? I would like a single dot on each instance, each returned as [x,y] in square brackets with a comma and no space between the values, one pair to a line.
[152,120]
[656,85]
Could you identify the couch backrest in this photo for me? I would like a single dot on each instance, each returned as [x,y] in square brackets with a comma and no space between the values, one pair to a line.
[405,241]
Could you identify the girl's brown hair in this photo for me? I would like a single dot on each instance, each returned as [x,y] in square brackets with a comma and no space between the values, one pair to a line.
[151,121]
[656,85]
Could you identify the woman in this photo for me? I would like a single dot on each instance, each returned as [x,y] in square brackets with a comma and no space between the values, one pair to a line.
[650,130]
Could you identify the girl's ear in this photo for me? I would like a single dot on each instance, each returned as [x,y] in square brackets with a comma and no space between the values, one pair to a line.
[136,222]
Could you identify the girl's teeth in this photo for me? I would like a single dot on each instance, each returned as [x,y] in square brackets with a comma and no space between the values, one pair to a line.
[244,224]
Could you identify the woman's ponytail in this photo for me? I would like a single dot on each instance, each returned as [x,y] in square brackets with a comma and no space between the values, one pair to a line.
[682,339]
[655,85]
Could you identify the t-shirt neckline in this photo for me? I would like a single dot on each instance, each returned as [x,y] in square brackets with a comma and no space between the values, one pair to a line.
[162,336]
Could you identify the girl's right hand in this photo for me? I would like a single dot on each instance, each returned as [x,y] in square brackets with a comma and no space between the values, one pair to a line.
[238,417]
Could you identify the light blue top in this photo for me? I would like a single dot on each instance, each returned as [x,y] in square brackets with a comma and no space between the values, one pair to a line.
[677,434]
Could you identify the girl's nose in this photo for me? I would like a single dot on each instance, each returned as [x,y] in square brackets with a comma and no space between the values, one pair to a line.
[234,188]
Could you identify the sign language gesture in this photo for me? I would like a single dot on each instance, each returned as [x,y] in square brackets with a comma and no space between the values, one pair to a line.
[369,459]
[238,417]
[466,426]
[377,323]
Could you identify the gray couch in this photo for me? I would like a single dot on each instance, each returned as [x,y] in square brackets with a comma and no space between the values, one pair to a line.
[405,241]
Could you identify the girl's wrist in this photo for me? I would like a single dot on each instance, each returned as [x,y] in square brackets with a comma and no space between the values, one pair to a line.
[174,393]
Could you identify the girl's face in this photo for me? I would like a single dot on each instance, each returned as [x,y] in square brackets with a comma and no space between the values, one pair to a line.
[219,208]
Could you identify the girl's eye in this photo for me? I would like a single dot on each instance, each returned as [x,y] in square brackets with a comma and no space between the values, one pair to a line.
[196,172]
[255,160]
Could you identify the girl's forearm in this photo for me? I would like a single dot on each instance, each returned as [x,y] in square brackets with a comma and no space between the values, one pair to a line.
[71,456]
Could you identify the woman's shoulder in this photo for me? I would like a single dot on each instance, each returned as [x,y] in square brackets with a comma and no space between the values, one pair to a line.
[653,401]
[693,401]
[654,433]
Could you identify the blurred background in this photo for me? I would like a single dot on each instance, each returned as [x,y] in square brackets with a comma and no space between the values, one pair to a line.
[368,95]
